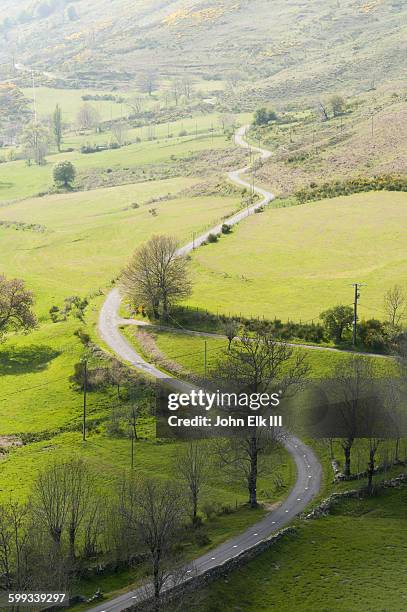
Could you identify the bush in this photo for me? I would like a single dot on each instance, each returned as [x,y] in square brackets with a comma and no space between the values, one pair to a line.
[262,116]
[210,509]
[201,538]
[226,229]
[372,334]
[349,186]
[213,238]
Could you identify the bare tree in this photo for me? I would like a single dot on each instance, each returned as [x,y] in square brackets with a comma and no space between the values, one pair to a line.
[323,110]
[187,86]
[154,511]
[257,365]
[79,483]
[176,89]
[395,305]
[156,275]
[119,132]
[50,500]
[88,117]
[352,385]
[136,104]
[193,465]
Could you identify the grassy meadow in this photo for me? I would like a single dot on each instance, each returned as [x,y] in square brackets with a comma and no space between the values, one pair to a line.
[17,180]
[354,559]
[296,262]
[89,235]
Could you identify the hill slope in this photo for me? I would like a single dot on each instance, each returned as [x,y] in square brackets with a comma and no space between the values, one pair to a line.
[283,49]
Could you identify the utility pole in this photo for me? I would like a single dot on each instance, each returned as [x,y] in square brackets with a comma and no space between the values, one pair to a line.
[193,241]
[355,310]
[34,97]
[85,391]
[132,450]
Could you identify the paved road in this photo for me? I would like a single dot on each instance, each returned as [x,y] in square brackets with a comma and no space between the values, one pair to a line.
[309,470]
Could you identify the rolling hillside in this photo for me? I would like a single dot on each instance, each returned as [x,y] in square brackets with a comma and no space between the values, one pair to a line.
[279,50]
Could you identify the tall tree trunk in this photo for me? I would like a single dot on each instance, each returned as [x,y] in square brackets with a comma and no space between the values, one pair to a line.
[252,479]
[397,450]
[156,581]
[72,536]
[165,308]
[347,450]
[194,508]
[370,471]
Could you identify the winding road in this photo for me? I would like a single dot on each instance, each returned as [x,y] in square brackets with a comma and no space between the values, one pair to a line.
[309,471]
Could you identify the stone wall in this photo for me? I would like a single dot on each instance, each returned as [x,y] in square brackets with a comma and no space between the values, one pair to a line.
[214,573]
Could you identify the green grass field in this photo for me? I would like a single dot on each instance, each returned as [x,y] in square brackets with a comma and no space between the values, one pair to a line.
[189,352]
[90,235]
[296,262]
[17,180]
[70,100]
[352,560]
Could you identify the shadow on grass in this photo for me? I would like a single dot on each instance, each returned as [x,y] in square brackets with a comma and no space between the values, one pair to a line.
[22,360]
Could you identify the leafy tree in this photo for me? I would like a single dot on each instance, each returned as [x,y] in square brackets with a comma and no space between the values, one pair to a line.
[15,306]
[71,13]
[35,139]
[156,275]
[337,320]
[338,105]
[263,116]
[57,126]
[64,174]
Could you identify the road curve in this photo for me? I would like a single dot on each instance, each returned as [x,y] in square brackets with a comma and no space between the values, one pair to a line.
[309,471]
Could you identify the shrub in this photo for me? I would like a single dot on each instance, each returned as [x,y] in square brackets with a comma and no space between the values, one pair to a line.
[349,186]
[226,229]
[54,313]
[373,335]
[201,537]
[262,116]
[213,238]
